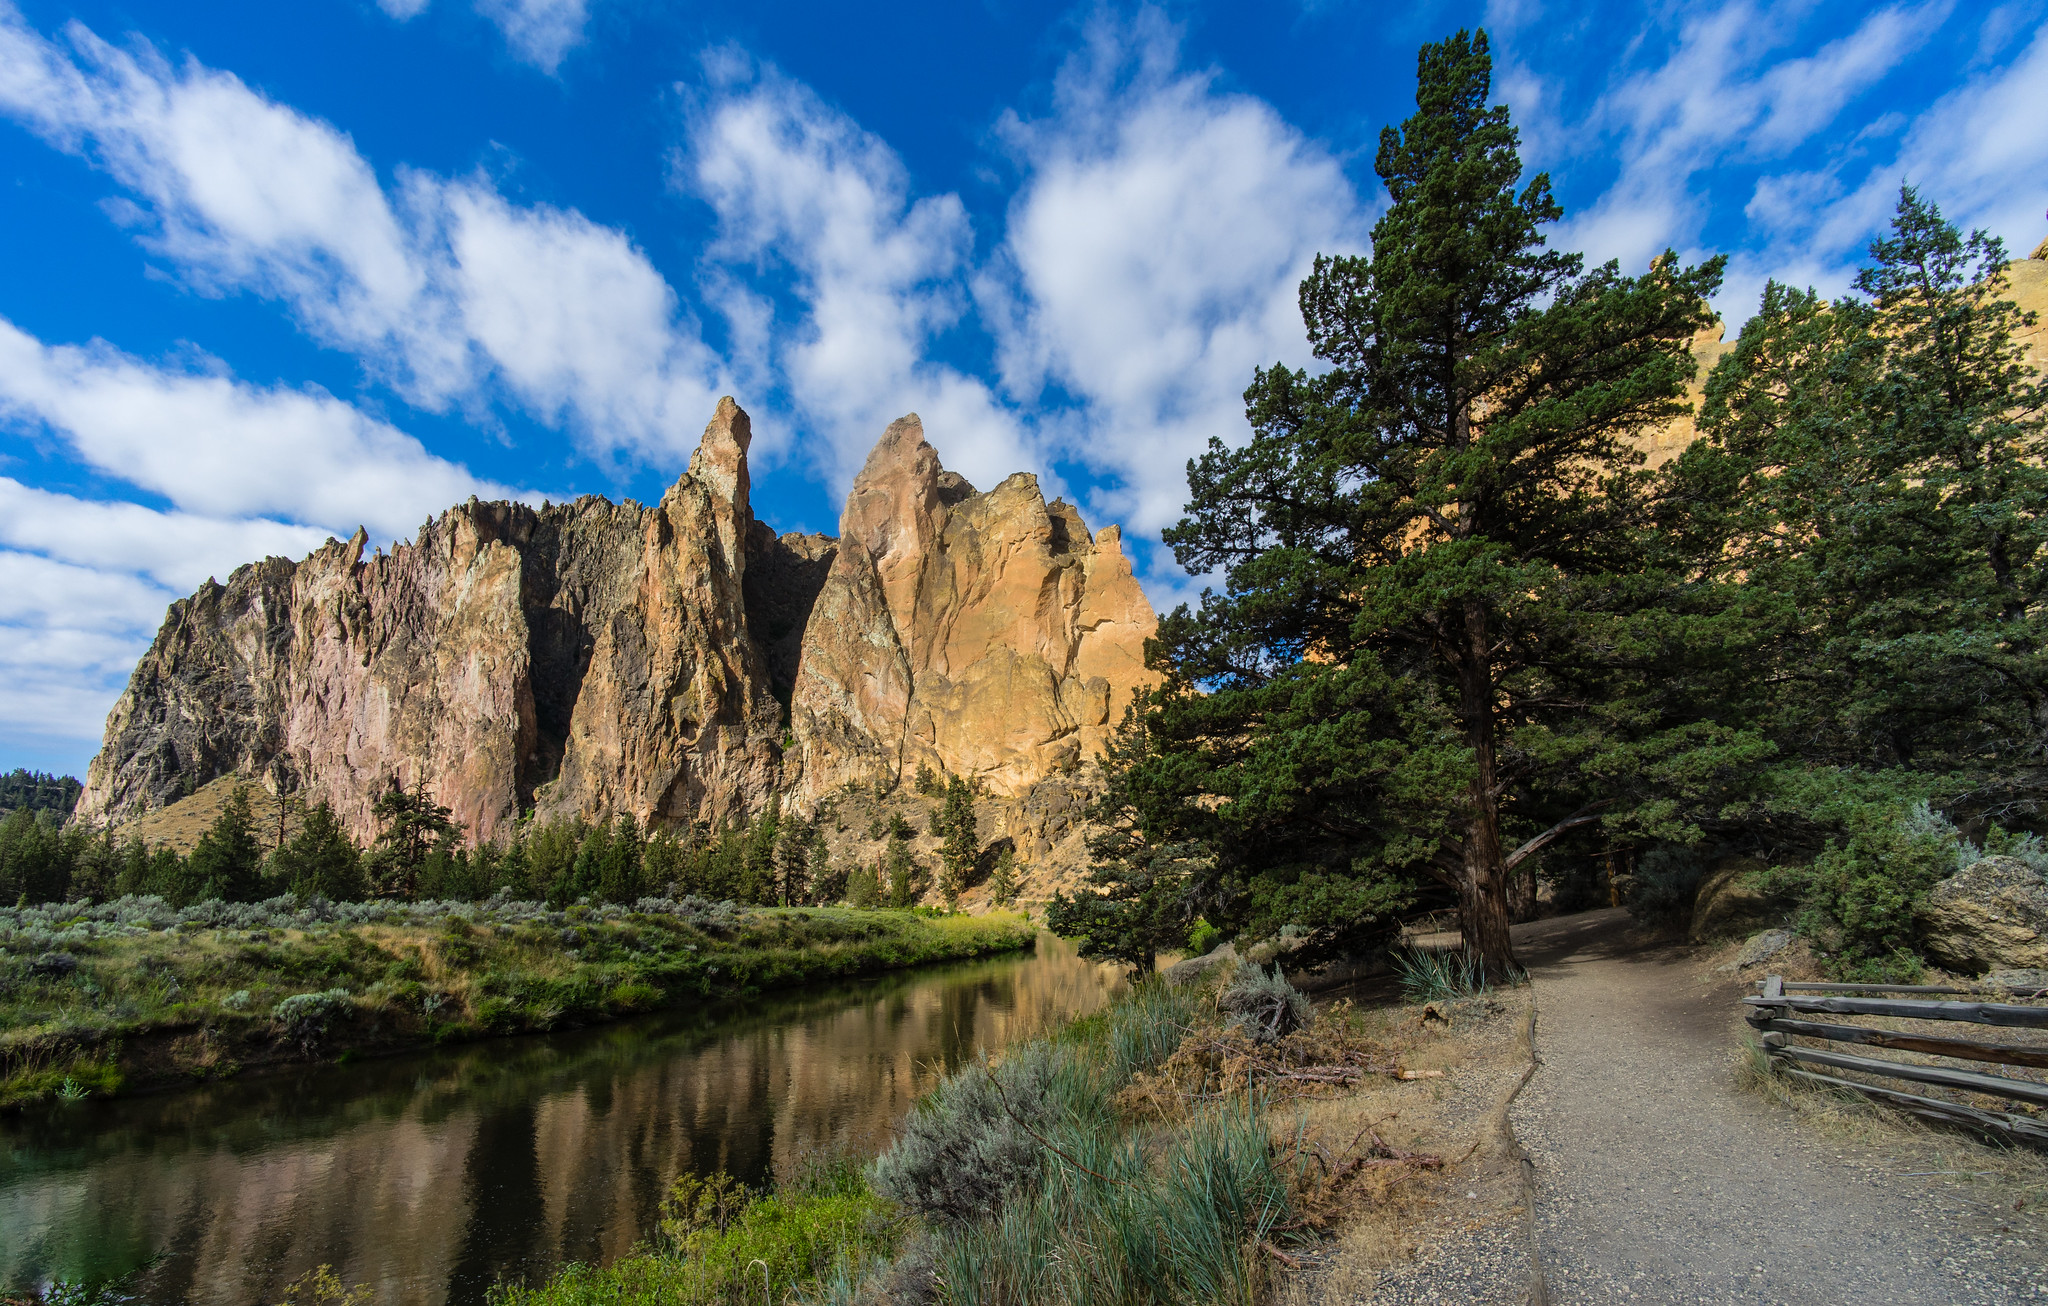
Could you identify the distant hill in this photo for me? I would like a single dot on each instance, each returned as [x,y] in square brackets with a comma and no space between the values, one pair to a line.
[38,792]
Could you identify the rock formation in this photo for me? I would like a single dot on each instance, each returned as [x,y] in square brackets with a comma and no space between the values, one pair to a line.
[594,659]
[583,658]
[984,634]
[1990,915]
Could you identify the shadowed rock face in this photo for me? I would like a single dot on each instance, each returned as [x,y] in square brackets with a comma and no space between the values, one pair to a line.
[985,633]
[583,658]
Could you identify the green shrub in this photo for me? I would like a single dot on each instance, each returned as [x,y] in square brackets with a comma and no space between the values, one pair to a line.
[304,1017]
[723,1245]
[1265,1006]
[971,1142]
[1860,894]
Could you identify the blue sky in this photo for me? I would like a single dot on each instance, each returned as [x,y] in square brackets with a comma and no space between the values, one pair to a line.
[268,271]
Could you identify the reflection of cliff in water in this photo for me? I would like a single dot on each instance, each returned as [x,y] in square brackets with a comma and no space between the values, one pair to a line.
[430,1177]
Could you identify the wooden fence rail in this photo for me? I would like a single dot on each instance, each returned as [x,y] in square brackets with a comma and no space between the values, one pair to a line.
[1772,1013]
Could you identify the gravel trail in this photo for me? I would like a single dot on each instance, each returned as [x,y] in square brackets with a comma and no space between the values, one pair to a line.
[1659,1180]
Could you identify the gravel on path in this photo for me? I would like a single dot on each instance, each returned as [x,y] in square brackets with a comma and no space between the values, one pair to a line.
[1659,1180]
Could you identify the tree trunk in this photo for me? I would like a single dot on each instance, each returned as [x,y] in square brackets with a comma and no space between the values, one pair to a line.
[1482,887]
[1522,891]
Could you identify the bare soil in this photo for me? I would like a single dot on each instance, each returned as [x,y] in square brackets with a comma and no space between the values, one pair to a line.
[1660,1178]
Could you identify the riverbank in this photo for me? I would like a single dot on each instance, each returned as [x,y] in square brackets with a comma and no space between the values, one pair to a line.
[132,995]
[1221,1143]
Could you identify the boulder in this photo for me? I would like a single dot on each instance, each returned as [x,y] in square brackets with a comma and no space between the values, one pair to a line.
[1729,901]
[1763,947]
[1195,969]
[1991,915]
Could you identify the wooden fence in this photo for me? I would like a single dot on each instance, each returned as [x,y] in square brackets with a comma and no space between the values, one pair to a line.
[1778,1010]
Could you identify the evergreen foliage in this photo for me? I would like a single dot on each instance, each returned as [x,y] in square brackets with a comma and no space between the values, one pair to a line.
[1142,895]
[1002,878]
[959,835]
[413,825]
[1437,553]
[37,791]
[321,859]
[227,863]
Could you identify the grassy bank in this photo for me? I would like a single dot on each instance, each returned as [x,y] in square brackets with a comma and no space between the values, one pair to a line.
[133,994]
[1160,1152]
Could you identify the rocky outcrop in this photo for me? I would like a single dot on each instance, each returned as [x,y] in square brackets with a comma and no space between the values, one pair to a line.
[592,659]
[583,658]
[988,634]
[1991,915]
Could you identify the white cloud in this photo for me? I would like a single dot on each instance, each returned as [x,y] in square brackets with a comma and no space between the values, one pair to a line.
[175,549]
[222,448]
[84,583]
[1978,152]
[69,636]
[1724,94]
[445,290]
[1153,257]
[578,323]
[541,32]
[800,189]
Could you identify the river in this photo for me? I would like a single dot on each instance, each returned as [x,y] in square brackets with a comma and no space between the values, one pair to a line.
[431,1176]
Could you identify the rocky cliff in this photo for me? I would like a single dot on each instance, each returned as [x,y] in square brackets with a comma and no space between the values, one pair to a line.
[984,634]
[585,657]
[593,658]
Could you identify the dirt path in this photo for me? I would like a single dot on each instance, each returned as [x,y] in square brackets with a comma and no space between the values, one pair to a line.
[1660,1181]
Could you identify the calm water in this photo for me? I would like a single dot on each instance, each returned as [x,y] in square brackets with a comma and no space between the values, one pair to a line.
[432,1176]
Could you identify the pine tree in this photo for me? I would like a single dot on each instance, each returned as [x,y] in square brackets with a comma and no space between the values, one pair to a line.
[1431,550]
[413,824]
[1142,893]
[227,863]
[1002,879]
[1880,463]
[793,854]
[959,839]
[321,858]
[759,877]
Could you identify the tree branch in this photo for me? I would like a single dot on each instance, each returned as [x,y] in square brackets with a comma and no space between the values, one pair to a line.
[1584,816]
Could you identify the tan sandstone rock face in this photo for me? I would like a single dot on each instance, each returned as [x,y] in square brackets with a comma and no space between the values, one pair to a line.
[988,634]
[1992,914]
[587,658]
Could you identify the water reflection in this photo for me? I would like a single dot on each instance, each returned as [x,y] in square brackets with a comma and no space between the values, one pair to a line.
[431,1177]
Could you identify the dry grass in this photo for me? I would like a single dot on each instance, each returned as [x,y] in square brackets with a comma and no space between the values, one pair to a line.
[2012,1178]
[178,825]
[1454,1112]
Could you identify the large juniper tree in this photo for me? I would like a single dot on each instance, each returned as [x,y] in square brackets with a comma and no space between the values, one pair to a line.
[1438,555]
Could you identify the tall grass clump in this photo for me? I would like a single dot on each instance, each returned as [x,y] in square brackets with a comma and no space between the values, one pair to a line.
[1431,975]
[1116,1221]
